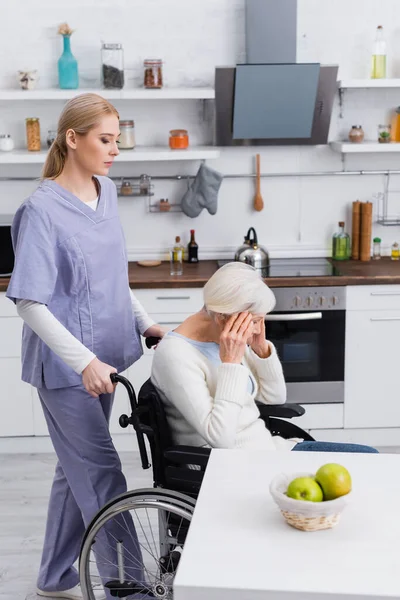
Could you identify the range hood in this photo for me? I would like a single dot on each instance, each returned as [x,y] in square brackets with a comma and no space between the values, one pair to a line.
[272,99]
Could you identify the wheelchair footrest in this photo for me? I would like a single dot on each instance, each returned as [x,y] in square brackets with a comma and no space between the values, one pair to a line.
[127,588]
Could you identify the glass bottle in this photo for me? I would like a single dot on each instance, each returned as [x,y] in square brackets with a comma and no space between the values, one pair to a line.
[395,254]
[341,244]
[378,67]
[33,134]
[112,59]
[376,250]
[176,257]
[193,249]
[68,76]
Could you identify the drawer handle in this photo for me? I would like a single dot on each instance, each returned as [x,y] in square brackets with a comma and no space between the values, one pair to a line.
[173,298]
[385,293]
[385,319]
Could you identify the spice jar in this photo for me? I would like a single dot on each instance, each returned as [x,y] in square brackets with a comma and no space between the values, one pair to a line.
[6,143]
[153,75]
[165,205]
[144,185]
[395,254]
[33,134]
[356,134]
[178,139]
[376,250]
[126,189]
[112,58]
[51,136]
[127,138]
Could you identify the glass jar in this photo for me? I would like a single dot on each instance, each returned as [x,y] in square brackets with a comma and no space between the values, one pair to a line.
[178,139]
[395,254]
[145,185]
[376,249]
[51,136]
[384,134]
[127,138]
[6,143]
[33,134]
[112,59]
[126,189]
[356,134]
[153,74]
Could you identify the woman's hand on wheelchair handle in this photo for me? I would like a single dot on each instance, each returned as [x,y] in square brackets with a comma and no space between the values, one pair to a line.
[96,378]
[233,340]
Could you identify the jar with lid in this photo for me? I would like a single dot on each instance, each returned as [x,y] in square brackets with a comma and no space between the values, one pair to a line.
[51,136]
[376,249]
[126,189]
[356,134]
[145,185]
[395,253]
[6,143]
[178,139]
[153,73]
[33,134]
[112,59]
[127,138]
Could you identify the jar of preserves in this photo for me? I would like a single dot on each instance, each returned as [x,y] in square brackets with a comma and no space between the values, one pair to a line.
[356,134]
[112,59]
[127,138]
[33,134]
[153,74]
[178,139]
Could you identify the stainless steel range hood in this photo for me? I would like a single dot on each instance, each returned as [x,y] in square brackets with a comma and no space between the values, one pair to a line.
[272,99]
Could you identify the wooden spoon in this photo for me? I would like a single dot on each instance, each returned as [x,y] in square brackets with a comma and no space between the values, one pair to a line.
[258,201]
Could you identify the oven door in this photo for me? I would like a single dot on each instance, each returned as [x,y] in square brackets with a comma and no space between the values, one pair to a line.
[311,348]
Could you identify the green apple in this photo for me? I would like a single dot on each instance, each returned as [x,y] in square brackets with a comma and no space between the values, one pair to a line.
[305,488]
[334,480]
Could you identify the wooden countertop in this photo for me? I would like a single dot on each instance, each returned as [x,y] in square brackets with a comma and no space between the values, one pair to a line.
[383,272]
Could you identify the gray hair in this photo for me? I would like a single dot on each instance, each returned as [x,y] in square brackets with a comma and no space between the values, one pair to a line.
[237,287]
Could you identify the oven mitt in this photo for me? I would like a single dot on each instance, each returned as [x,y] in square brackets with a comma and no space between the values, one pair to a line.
[203,192]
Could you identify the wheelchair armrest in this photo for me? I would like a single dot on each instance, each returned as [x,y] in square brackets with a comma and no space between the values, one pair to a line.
[188,455]
[285,411]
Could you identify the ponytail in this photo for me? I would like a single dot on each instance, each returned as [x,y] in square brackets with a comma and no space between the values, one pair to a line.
[55,161]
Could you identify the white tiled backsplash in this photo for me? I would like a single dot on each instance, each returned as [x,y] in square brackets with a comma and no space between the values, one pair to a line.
[192,37]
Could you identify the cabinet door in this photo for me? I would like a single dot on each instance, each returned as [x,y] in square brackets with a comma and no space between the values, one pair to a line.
[15,400]
[372,397]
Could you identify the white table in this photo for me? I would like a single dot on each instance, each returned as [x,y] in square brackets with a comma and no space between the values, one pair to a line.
[240,547]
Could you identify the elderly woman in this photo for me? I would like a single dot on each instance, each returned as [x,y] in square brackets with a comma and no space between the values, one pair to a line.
[210,370]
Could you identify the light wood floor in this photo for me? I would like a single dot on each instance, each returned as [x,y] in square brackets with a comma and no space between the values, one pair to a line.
[25,481]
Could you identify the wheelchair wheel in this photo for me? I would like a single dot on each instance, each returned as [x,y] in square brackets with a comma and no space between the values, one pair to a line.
[140,536]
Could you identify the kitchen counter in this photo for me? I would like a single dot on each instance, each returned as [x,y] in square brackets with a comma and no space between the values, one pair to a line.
[382,272]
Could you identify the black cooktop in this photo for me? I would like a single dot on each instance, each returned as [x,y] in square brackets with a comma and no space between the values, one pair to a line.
[296,267]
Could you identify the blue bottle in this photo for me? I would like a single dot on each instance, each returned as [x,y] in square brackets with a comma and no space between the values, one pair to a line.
[68,78]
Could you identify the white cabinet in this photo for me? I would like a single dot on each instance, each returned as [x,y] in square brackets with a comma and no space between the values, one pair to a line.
[372,392]
[15,400]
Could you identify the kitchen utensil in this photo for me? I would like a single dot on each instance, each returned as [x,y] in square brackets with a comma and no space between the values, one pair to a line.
[252,253]
[258,200]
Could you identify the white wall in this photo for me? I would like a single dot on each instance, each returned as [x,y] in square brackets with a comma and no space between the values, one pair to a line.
[192,37]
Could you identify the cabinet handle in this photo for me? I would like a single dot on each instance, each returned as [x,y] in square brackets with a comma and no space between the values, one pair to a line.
[385,293]
[385,319]
[173,298]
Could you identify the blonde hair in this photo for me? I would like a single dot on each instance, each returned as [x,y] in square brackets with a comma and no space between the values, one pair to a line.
[237,287]
[81,114]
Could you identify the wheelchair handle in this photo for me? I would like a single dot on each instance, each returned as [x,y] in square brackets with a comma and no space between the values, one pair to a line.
[116,378]
[152,341]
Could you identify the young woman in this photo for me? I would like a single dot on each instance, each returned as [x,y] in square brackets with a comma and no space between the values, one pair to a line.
[81,323]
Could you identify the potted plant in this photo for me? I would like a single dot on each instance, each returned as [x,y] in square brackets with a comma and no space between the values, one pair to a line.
[384,134]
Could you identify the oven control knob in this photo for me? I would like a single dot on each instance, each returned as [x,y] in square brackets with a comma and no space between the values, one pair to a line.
[309,301]
[297,301]
[335,300]
[322,301]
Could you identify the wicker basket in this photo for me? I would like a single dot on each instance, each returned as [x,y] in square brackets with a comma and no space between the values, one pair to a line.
[303,515]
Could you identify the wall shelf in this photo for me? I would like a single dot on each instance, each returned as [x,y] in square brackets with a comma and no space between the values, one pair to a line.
[368,83]
[365,147]
[192,93]
[139,154]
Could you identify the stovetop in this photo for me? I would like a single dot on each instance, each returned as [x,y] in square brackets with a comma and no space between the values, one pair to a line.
[296,267]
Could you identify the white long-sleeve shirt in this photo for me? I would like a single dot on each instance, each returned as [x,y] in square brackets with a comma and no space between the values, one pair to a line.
[57,337]
[207,404]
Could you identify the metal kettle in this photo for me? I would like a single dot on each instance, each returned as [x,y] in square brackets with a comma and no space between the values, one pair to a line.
[252,253]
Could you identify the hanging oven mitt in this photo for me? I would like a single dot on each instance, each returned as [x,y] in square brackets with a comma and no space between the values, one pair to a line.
[203,192]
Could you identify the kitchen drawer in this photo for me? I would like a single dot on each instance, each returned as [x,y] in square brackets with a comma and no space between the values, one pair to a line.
[179,300]
[373,297]
[7,308]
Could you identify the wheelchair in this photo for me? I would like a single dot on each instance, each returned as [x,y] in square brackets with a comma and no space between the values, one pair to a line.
[145,566]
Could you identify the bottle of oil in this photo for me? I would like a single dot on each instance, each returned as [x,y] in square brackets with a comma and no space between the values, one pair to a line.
[378,67]
[193,249]
[341,244]
[395,253]
[176,254]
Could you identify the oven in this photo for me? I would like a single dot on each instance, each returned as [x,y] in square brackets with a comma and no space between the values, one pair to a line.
[307,327]
[6,247]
